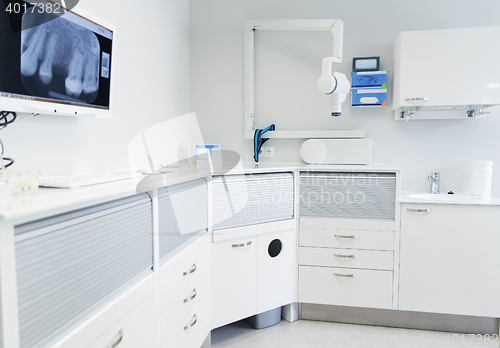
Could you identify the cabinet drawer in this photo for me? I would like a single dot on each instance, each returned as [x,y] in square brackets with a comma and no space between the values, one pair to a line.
[131,327]
[194,328]
[353,239]
[183,304]
[178,282]
[130,315]
[345,287]
[352,258]
[187,254]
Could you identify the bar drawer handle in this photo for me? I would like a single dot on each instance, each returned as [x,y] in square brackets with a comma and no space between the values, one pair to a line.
[345,236]
[418,210]
[346,256]
[415,99]
[345,275]
[241,245]
[118,340]
[191,324]
[190,297]
[189,271]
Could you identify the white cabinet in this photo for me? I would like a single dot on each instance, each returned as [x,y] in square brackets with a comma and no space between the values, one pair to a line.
[252,275]
[446,68]
[184,294]
[450,259]
[234,276]
[275,269]
[346,263]
[347,238]
[69,266]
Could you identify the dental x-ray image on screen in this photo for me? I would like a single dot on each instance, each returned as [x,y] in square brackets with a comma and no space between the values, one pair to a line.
[55,64]
[59,59]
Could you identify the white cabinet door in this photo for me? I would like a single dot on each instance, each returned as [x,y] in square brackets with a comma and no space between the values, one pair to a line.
[275,269]
[450,259]
[233,280]
[447,67]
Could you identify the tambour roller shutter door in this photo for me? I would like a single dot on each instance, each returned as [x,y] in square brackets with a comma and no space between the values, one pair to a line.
[243,200]
[349,195]
[183,215]
[69,265]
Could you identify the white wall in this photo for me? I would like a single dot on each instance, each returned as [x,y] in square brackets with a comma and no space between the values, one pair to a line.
[286,73]
[150,84]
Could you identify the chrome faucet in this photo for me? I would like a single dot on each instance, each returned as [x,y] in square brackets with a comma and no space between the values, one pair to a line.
[434,178]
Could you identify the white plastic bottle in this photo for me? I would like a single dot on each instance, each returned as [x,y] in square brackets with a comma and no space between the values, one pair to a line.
[480,184]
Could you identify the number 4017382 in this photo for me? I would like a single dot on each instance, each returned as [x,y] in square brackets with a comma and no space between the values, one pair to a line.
[34,7]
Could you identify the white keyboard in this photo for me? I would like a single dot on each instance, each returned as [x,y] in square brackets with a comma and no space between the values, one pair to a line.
[79,180]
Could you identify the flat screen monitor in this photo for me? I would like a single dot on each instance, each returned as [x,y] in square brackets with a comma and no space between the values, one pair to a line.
[54,64]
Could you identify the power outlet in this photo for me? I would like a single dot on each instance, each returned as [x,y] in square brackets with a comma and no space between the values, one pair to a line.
[266,151]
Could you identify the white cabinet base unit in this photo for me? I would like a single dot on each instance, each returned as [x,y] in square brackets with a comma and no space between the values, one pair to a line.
[347,239]
[254,245]
[346,267]
[450,259]
[184,287]
[70,265]
[252,275]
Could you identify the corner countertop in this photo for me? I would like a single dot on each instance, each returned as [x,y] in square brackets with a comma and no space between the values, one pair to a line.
[22,208]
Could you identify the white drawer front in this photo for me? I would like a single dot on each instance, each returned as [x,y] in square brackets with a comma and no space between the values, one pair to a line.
[345,287]
[194,328]
[131,327]
[351,258]
[178,261]
[353,239]
[178,282]
[133,313]
[183,304]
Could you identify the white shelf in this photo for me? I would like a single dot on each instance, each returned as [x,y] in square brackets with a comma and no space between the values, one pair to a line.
[311,134]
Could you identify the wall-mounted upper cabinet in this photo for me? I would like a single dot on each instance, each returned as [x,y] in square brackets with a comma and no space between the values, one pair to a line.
[450,73]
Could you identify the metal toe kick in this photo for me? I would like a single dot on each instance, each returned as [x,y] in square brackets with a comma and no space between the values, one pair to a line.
[400,319]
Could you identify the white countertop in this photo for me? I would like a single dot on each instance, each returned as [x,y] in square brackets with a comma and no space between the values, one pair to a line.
[443,198]
[21,208]
[24,207]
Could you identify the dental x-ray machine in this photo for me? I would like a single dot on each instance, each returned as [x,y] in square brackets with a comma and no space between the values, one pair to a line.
[330,82]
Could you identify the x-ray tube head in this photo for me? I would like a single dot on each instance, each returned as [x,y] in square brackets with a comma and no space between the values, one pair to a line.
[334,83]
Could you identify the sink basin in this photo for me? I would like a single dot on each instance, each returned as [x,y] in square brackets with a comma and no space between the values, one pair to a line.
[446,198]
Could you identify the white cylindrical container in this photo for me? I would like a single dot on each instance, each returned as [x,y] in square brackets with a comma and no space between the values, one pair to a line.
[480,181]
